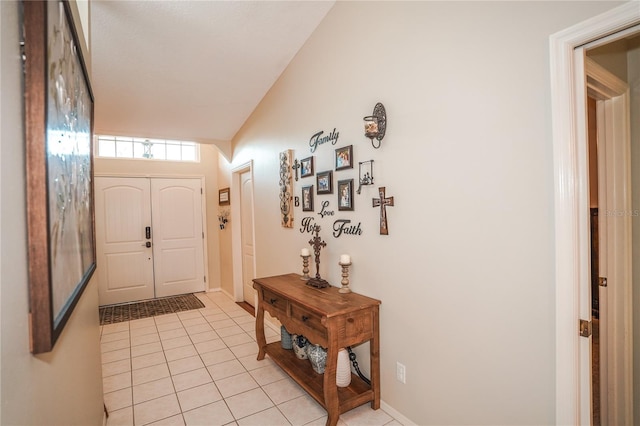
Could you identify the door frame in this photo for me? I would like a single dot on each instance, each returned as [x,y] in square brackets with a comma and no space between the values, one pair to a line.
[236,231]
[571,196]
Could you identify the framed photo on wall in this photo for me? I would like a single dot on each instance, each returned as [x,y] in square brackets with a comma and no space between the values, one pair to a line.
[324,180]
[60,203]
[345,194]
[224,198]
[344,158]
[307,198]
[306,167]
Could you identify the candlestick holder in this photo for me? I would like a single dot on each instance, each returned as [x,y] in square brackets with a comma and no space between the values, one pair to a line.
[345,278]
[317,243]
[305,267]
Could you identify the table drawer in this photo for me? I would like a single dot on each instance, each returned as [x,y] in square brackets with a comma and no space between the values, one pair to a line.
[275,301]
[309,319]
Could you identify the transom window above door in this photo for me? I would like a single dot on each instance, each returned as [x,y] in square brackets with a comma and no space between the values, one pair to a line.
[146,149]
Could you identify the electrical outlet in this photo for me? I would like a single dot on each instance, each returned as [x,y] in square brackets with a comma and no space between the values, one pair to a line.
[401,373]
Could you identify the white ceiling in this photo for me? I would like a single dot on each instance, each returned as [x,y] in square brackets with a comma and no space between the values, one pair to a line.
[191,70]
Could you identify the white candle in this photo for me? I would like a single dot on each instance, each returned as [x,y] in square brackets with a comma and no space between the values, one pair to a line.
[304,252]
[345,258]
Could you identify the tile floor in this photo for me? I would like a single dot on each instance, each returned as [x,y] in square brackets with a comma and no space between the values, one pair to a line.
[199,367]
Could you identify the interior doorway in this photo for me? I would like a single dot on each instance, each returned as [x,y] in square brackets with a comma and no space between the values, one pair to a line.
[243,236]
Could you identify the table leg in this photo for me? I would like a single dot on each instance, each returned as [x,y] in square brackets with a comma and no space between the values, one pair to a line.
[374,348]
[262,341]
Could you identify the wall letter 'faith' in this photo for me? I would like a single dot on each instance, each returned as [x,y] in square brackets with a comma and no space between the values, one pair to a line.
[383,202]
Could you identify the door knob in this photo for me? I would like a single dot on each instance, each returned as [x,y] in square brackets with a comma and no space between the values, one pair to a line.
[147,244]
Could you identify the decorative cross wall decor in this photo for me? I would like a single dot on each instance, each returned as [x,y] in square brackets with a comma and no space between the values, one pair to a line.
[286,189]
[317,244]
[295,167]
[383,202]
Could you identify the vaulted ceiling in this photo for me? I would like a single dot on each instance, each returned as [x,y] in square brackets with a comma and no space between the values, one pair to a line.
[191,70]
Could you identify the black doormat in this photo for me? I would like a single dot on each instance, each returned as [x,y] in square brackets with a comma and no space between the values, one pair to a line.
[131,311]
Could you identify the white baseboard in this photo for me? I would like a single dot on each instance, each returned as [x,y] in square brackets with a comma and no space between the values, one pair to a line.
[396,414]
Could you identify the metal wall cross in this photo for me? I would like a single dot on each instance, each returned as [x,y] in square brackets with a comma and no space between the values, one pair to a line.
[383,202]
[295,167]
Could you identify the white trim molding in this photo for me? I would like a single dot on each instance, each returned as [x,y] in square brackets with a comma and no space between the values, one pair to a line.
[568,91]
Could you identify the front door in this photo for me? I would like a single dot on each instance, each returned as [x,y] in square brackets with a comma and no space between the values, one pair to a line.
[149,238]
[124,262]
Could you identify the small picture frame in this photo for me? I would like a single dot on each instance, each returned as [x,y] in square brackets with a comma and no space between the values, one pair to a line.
[344,158]
[345,194]
[306,167]
[307,198]
[324,180]
[224,197]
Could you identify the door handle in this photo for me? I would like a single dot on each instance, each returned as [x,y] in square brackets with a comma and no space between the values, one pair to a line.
[147,232]
[147,244]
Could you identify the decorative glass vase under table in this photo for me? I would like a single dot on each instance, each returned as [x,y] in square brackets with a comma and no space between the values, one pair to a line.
[327,318]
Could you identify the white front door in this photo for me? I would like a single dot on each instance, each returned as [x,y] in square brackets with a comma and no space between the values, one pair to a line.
[124,263]
[246,214]
[163,214]
[177,236]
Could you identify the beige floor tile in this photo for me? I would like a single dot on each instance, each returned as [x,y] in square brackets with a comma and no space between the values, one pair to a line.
[114,336]
[185,364]
[268,374]
[116,382]
[122,417]
[180,352]
[118,355]
[151,329]
[168,326]
[283,390]
[194,321]
[176,343]
[115,345]
[191,379]
[145,349]
[148,360]
[248,403]
[236,384]
[156,409]
[152,390]
[203,337]
[144,339]
[245,349]
[244,319]
[271,416]
[364,415]
[115,328]
[215,414]
[198,328]
[250,362]
[116,367]
[198,396]
[176,420]
[228,331]
[163,319]
[141,323]
[226,369]
[186,315]
[237,339]
[150,374]
[216,357]
[119,399]
[302,410]
[172,334]
[210,346]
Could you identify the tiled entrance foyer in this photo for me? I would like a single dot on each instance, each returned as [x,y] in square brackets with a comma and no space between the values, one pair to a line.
[199,367]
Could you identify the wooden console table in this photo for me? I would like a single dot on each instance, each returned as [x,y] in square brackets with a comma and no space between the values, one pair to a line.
[332,320]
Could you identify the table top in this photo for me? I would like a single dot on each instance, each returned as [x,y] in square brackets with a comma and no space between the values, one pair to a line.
[324,301]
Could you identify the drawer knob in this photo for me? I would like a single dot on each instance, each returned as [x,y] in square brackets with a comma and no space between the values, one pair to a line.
[304,318]
[272,301]
[350,320]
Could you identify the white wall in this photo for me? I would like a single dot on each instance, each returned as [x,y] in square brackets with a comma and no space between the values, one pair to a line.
[64,386]
[466,274]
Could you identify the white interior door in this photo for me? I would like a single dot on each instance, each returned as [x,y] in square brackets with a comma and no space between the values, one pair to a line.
[125,264]
[177,236]
[246,215]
